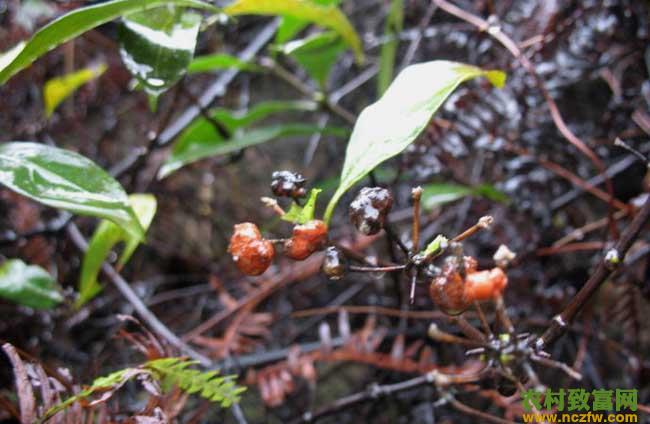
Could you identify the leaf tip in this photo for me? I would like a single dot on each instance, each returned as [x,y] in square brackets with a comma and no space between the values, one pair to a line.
[497,78]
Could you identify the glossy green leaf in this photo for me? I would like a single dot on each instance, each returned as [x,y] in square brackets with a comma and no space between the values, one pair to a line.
[302,214]
[438,194]
[106,236]
[66,180]
[290,26]
[73,24]
[326,16]
[58,89]
[28,285]
[202,149]
[317,54]
[385,128]
[158,45]
[392,28]
[202,130]
[217,62]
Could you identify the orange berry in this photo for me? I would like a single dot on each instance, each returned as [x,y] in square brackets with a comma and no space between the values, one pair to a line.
[447,290]
[306,239]
[485,285]
[251,253]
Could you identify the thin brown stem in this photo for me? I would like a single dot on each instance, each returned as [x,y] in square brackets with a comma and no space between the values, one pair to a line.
[483,223]
[416,195]
[605,269]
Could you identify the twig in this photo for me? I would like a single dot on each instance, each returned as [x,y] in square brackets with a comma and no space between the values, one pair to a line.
[125,289]
[605,269]
[375,391]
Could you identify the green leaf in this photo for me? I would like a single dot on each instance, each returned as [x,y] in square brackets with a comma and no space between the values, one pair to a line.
[216,62]
[66,180]
[326,16]
[392,28]
[438,194]
[106,236]
[316,53]
[28,285]
[202,130]
[73,24]
[158,45]
[290,26]
[201,149]
[58,89]
[385,128]
[303,214]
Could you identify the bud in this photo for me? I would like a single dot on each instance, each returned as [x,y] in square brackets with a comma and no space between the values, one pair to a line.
[335,263]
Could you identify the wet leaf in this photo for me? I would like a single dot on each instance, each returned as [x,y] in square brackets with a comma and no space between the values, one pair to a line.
[438,194]
[392,28]
[303,214]
[73,24]
[317,54]
[385,128]
[217,62]
[201,149]
[106,236]
[158,45]
[58,89]
[28,285]
[66,180]
[203,132]
[290,26]
[327,16]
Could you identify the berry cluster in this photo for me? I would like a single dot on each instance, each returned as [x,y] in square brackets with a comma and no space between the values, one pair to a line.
[453,287]
[253,254]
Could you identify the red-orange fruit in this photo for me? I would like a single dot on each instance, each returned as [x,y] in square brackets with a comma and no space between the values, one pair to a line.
[485,285]
[251,253]
[447,290]
[306,239]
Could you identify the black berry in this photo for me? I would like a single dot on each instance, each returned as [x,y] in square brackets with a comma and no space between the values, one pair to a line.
[369,209]
[288,184]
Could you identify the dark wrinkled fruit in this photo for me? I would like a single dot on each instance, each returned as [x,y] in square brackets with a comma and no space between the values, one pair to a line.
[369,209]
[335,264]
[251,253]
[288,184]
[306,239]
[448,289]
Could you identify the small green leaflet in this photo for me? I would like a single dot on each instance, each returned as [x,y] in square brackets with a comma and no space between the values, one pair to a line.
[438,194]
[106,236]
[327,16]
[28,285]
[303,214]
[157,46]
[217,62]
[436,246]
[58,89]
[385,128]
[316,53]
[73,24]
[66,180]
